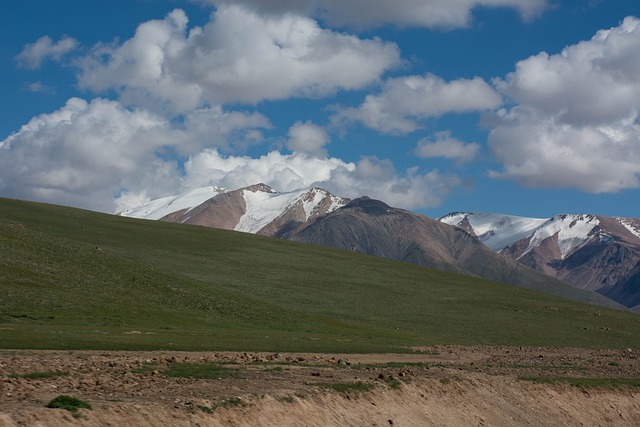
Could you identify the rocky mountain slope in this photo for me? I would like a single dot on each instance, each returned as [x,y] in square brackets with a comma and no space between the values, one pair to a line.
[591,252]
[363,225]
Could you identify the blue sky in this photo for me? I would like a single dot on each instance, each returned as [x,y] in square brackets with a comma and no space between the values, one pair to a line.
[525,107]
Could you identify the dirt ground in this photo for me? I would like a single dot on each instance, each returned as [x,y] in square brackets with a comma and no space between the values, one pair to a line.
[442,385]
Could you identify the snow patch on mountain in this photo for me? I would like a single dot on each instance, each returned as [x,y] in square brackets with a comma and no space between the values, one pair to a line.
[631,225]
[497,231]
[156,209]
[311,202]
[573,231]
[263,207]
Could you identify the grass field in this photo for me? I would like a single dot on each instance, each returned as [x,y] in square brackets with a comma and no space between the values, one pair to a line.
[72,279]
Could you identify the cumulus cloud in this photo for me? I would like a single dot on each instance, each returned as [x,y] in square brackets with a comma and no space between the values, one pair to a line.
[239,56]
[446,146]
[372,13]
[103,156]
[34,54]
[286,172]
[575,118]
[86,152]
[405,101]
[377,178]
[308,138]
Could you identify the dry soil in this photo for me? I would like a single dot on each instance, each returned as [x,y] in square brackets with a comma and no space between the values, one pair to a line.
[440,386]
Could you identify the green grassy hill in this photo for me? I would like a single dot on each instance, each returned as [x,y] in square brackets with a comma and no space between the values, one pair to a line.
[72,279]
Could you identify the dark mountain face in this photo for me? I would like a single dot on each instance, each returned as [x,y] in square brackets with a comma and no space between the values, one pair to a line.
[372,227]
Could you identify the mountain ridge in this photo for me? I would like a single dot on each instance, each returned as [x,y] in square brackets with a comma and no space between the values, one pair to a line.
[367,226]
[589,251]
[257,209]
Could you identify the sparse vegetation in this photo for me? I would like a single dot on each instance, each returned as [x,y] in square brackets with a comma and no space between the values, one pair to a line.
[205,409]
[392,383]
[40,375]
[208,371]
[145,368]
[69,403]
[232,402]
[286,399]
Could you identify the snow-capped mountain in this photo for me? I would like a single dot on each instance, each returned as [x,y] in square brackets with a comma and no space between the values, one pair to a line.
[257,209]
[363,225]
[494,230]
[592,252]
[156,209]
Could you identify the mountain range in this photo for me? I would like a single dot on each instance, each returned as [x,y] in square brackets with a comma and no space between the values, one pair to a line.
[594,252]
[362,225]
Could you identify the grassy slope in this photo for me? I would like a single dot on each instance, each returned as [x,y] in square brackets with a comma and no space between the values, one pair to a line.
[78,279]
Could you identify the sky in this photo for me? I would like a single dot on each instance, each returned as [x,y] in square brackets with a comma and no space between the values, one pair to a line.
[522,107]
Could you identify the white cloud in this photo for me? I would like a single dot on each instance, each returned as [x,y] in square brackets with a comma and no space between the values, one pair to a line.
[368,13]
[102,156]
[446,146]
[405,101]
[308,138]
[370,176]
[33,55]
[576,119]
[281,171]
[85,153]
[239,56]
[39,87]
[378,179]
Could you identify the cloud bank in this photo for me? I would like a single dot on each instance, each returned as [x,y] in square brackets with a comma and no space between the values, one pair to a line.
[405,101]
[86,153]
[287,172]
[446,146]
[575,119]
[402,13]
[240,56]
[101,155]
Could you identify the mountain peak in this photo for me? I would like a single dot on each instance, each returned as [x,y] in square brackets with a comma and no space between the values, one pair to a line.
[260,187]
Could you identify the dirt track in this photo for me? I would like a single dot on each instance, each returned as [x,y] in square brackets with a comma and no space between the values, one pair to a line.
[438,386]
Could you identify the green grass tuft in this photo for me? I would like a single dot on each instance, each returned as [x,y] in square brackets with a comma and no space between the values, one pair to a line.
[393,383]
[232,402]
[69,403]
[207,371]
